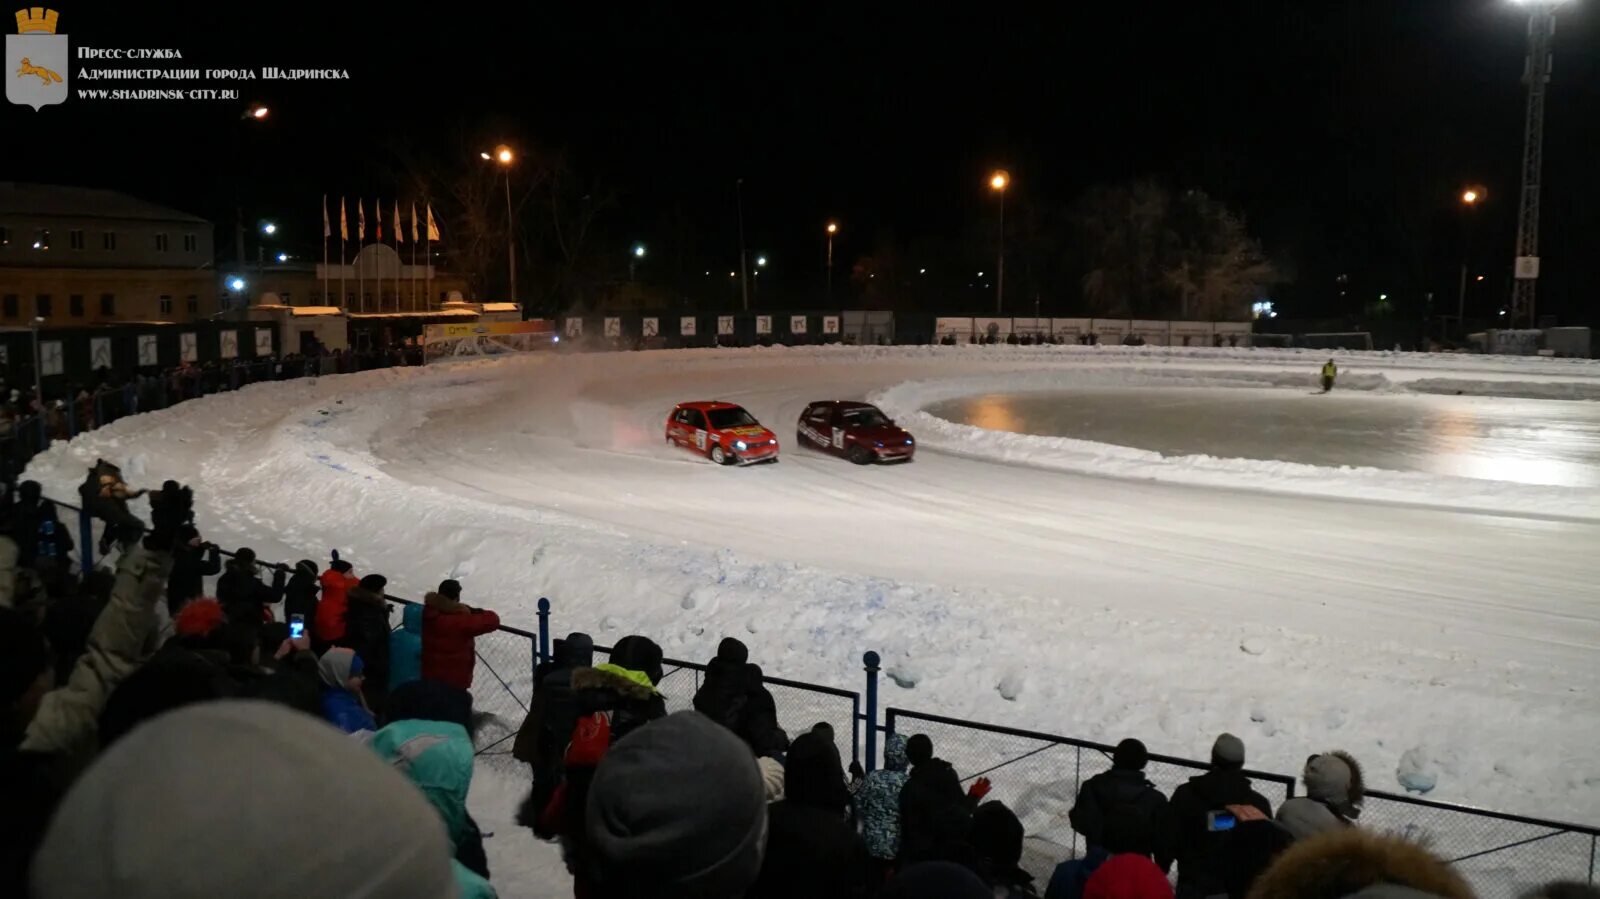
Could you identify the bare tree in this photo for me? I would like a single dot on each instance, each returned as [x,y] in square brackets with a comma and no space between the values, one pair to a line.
[1217,269]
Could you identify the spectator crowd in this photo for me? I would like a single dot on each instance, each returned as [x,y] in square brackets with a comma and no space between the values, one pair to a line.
[278,739]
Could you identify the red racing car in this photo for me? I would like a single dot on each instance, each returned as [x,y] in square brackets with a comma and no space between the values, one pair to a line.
[726,433]
[857,431]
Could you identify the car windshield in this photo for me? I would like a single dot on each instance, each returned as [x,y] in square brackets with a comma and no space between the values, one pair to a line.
[722,419]
[865,418]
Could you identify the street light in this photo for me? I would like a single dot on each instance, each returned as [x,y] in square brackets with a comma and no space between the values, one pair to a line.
[236,284]
[833,228]
[269,228]
[1471,196]
[504,156]
[638,253]
[998,182]
[257,112]
[761,261]
[283,257]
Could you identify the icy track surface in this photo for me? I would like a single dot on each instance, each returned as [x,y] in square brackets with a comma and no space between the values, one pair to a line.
[1072,587]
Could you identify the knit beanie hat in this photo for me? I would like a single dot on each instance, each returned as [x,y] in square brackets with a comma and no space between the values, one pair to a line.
[450,588]
[1127,876]
[374,583]
[1228,751]
[199,618]
[1130,754]
[679,803]
[283,832]
[731,650]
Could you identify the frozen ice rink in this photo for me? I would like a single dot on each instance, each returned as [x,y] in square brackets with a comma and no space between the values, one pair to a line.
[1435,602]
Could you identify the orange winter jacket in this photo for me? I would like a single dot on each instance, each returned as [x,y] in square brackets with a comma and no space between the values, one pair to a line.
[329,626]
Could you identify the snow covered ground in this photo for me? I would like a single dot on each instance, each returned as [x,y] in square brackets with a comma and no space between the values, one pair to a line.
[1449,625]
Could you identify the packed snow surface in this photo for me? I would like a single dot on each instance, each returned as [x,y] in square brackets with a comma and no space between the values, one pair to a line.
[1443,628]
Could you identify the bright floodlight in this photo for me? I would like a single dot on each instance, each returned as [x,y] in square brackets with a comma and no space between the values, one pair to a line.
[236,284]
[833,228]
[638,250]
[283,257]
[999,180]
[258,112]
[1469,197]
[269,228]
[761,260]
[503,153]
[485,155]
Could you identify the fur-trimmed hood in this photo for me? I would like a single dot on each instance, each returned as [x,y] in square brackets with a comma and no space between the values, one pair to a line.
[1335,778]
[628,685]
[1349,861]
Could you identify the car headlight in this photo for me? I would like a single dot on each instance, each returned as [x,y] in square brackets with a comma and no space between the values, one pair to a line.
[880,444]
[908,441]
[739,445]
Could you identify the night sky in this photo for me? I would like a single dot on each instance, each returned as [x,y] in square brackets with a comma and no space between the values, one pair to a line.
[1342,130]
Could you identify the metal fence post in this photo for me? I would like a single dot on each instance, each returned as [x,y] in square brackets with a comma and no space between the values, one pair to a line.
[870,661]
[543,647]
[85,541]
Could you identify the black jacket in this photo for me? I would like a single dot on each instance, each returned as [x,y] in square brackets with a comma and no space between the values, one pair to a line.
[243,596]
[935,813]
[733,696]
[1203,855]
[366,630]
[811,849]
[34,538]
[190,567]
[300,596]
[1117,794]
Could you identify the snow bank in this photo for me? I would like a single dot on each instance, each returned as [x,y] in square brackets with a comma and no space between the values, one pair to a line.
[906,403]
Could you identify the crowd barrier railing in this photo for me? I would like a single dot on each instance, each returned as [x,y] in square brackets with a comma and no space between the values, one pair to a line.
[1037,774]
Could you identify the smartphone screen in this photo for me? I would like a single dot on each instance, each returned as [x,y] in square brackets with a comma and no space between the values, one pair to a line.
[1220,820]
[297,626]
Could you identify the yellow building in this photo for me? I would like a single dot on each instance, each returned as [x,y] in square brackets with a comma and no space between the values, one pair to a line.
[76,256]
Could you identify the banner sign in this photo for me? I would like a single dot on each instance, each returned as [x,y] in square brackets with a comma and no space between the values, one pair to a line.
[436,333]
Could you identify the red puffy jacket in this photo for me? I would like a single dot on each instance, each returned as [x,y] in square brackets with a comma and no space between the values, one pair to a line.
[448,628]
[329,626]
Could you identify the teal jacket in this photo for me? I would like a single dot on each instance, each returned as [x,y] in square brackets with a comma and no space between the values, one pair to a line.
[437,757]
[405,649]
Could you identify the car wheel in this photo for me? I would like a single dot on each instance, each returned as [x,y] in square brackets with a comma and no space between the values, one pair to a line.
[718,455]
[860,454]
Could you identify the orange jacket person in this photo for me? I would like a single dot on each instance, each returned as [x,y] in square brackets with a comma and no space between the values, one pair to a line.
[336,583]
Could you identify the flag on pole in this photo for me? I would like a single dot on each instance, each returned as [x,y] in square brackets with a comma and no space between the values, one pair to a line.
[433,229]
[377,219]
[399,232]
[414,234]
[361,220]
[327,231]
[344,226]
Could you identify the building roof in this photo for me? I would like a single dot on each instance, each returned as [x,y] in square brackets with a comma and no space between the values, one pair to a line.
[47,200]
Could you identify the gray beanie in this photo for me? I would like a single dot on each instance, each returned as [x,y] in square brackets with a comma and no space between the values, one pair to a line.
[677,802]
[317,814]
[1228,750]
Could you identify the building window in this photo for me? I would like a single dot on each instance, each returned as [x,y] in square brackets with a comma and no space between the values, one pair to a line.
[193,304]
[161,242]
[76,237]
[286,299]
[11,305]
[166,304]
[190,243]
[108,240]
[75,305]
[41,238]
[41,305]
[108,304]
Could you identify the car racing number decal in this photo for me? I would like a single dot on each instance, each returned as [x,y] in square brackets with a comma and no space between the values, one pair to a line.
[699,439]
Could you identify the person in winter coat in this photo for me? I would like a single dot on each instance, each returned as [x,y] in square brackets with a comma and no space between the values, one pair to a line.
[240,590]
[282,827]
[675,810]
[610,700]
[811,849]
[996,842]
[934,812]
[436,756]
[300,594]
[366,630]
[343,673]
[43,542]
[1123,790]
[448,628]
[1124,835]
[337,583]
[732,695]
[105,496]
[543,737]
[405,648]
[878,803]
[1210,861]
[193,560]
[1334,790]
[1357,862]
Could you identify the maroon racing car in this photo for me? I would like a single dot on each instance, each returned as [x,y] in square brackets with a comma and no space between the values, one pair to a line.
[857,431]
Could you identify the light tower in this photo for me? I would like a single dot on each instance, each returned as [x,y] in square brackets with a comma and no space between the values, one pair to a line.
[1536,75]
